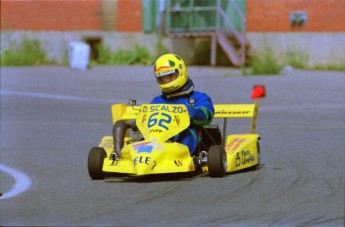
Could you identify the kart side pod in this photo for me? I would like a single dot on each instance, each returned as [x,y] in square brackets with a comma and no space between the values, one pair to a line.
[240,151]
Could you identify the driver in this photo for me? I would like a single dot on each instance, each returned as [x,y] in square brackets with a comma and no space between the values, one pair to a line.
[177,88]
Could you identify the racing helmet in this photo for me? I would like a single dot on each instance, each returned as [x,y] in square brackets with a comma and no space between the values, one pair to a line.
[170,72]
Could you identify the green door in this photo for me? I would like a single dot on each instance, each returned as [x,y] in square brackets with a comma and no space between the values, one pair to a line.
[193,15]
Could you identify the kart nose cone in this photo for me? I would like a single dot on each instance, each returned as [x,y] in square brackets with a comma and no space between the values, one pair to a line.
[144,165]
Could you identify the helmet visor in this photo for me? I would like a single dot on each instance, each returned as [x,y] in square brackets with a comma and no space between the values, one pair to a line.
[167,78]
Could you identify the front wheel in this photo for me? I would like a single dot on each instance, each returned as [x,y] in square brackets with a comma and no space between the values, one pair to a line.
[216,161]
[95,163]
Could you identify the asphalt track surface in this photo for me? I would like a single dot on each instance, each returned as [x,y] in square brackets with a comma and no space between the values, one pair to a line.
[52,116]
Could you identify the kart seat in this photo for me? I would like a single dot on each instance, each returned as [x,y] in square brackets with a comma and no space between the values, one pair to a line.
[210,135]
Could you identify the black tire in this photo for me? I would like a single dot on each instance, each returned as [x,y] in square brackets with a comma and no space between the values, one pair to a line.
[95,163]
[216,161]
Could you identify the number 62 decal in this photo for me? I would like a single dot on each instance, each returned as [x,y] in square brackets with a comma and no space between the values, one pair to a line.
[162,120]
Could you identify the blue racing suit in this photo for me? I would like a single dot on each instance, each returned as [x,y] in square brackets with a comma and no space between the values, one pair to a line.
[201,113]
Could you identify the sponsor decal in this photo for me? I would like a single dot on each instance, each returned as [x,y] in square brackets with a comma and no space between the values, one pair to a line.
[141,159]
[114,163]
[165,73]
[178,163]
[232,112]
[170,89]
[108,145]
[148,147]
[244,157]
[156,130]
[234,144]
[144,160]
[154,165]
[177,120]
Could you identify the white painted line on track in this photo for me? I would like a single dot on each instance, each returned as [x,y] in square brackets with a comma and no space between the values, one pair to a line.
[61,97]
[54,96]
[22,182]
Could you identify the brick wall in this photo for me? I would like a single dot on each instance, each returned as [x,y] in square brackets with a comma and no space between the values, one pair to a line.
[51,15]
[68,15]
[129,15]
[273,15]
[71,15]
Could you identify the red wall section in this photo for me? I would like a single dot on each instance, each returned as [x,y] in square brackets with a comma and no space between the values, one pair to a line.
[129,15]
[77,15]
[51,14]
[273,15]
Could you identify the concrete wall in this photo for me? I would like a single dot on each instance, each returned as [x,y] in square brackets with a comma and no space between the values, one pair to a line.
[318,48]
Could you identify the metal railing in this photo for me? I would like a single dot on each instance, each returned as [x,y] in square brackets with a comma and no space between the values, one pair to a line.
[192,14]
[193,19]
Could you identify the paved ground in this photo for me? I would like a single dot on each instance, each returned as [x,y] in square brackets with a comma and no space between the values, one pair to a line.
[52,116]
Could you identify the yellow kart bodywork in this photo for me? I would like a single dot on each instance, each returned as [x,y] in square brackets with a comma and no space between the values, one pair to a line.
[175,158]
[156,154]
[157,123]
[242,150]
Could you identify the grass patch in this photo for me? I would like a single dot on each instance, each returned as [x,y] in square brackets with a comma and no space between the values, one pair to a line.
[298,60]
[335,67]
[139,56]
[264,63]
[160,47]
[28,53]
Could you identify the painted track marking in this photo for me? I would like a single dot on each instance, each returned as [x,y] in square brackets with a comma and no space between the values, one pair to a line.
[22,182]
[61,97]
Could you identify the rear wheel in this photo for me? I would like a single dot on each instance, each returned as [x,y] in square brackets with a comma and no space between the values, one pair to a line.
[95,163]
[216,161]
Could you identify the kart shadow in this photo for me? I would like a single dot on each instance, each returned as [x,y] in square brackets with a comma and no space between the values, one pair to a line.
[170,177]
[261,166]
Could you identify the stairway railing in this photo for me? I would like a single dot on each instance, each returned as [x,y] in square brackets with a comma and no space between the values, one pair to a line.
[221,22]
[239,35]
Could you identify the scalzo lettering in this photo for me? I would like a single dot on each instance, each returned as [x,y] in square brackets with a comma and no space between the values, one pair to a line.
[157,108]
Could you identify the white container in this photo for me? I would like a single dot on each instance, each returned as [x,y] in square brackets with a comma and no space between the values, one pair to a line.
[79,55]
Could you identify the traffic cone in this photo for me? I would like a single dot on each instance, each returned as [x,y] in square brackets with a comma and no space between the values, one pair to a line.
[259,91]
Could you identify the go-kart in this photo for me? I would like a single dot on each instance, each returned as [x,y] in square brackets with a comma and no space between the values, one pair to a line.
[154,151]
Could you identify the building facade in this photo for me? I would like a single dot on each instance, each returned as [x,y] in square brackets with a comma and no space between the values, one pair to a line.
[314,28]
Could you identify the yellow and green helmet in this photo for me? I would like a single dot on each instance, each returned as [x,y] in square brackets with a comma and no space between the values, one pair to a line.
[170,72]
